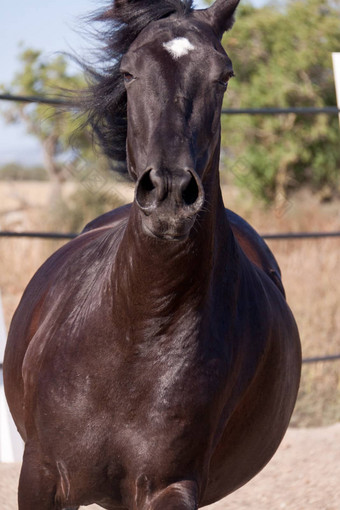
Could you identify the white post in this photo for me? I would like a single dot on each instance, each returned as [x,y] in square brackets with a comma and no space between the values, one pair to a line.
[11,444]
[336,70]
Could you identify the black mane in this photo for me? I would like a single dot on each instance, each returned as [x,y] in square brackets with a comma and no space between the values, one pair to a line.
[105,100]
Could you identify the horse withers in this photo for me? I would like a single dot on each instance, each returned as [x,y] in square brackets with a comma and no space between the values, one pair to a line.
[153,362]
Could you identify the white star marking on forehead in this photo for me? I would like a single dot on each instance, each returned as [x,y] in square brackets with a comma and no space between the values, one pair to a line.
[178,47]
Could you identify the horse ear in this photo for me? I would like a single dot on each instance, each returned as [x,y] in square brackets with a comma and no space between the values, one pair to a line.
[221,15]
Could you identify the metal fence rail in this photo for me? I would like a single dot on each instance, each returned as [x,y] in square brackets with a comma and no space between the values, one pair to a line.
[53,101]
[328,110]
[318,359]
[270,237]
[39,235]
[56,101]
[300,235]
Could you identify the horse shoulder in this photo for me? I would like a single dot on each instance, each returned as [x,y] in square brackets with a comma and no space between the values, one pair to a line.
[109,219]
[255,248]
[48,298]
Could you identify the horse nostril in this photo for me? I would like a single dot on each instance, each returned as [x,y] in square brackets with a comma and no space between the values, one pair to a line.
[190,192]
[178,189]
[146,190]
[146,183]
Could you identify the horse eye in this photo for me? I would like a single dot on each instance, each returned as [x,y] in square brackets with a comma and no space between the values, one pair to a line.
[226,77]
[128,77]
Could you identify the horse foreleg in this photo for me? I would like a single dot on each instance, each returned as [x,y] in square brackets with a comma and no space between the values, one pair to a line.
[37,486]
[177,496]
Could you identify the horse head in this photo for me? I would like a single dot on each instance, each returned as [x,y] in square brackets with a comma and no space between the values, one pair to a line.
[175,74]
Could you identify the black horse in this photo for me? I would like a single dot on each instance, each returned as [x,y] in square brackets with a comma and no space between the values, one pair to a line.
[153,362]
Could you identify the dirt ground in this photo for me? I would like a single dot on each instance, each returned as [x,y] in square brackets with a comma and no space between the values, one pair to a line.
[303,475]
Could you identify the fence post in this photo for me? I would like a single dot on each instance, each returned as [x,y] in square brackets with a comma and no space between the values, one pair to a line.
[11,444]
[336,70]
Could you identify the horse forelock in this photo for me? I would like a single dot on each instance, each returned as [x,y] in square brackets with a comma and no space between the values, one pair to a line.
[105,101]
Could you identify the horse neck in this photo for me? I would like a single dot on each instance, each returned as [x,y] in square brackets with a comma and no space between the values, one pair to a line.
[166,278]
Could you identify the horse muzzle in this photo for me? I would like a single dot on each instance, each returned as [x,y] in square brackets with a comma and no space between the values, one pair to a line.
[169,202]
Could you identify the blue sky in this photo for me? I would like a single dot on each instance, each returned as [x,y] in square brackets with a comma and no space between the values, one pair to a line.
[44,25]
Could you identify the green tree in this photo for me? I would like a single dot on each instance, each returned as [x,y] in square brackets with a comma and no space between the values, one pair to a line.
[282,58]
[52,126]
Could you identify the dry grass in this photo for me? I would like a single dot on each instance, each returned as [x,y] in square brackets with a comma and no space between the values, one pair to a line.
[310,271]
